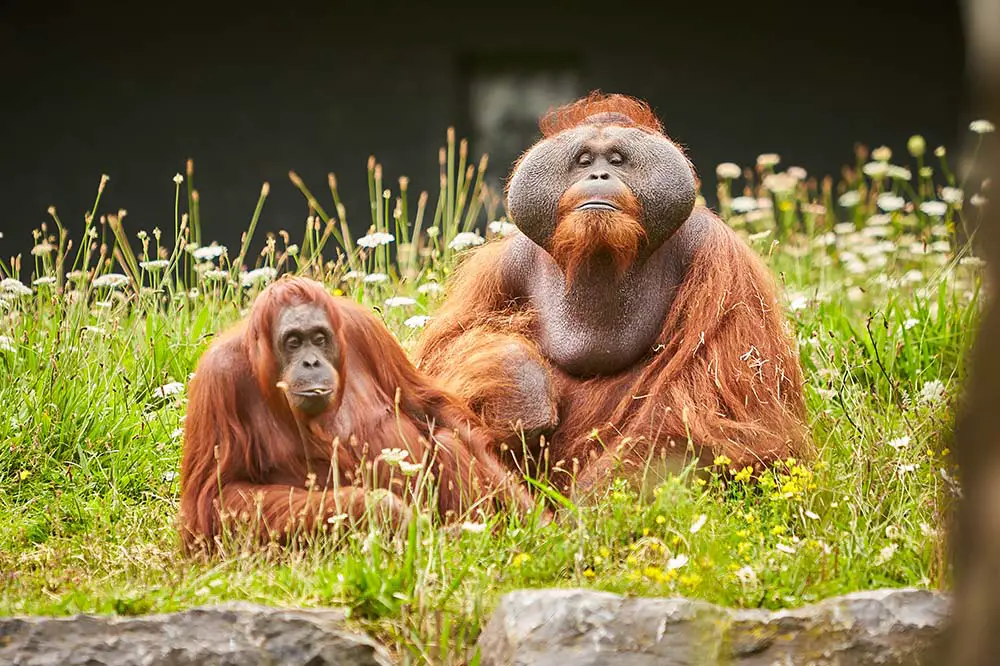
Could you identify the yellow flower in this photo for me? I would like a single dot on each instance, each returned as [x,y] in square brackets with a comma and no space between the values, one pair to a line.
[742,533]
[743,475]
[689,579]
[338,292]
[631,561]
[778,529]
[598,559]
[604,551]
[660,520]
[653,573]
[742,547]
[588,573]
[700,481]
[520,559]
[25,474]
[645,531]
[722,461]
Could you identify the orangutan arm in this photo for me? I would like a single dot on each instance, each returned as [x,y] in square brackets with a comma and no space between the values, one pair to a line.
[463,444]
[480,292]
[278,512]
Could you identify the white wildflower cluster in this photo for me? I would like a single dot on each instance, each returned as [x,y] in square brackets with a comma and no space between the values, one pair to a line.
[208,252]
[728,171]
[502,228]
[416,321]
[110,281]
[153,265]
[258,276]
[466,239]
[430,288]
[375,239]
[13,288]
[398,458]
[167,390]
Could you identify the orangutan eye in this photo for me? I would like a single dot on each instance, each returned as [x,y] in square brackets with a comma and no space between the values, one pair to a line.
[616,159]
[293,342]
[319,340]
[584,159]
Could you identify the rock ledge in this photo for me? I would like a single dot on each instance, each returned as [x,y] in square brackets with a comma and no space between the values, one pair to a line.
[580,627]
[231,634]
[548,627]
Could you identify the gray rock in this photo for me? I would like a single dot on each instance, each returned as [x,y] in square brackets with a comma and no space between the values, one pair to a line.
[580,628]
[230,634]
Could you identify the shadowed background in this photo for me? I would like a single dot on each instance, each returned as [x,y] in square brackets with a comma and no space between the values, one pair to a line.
[134,90]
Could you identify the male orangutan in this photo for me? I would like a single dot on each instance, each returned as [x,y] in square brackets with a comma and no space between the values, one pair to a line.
[621,322]
[290,412]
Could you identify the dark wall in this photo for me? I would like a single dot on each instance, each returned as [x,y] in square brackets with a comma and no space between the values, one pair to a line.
[133,90]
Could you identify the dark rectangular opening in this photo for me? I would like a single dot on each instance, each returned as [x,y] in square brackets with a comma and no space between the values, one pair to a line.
[503,96]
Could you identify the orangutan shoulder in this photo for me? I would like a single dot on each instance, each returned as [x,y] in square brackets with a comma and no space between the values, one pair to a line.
[691,237]
[519,263]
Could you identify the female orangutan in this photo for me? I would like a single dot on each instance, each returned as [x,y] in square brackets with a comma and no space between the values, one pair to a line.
[290,413]
[621,322]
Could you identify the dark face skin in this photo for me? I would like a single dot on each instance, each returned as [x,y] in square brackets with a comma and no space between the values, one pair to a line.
[598,162]
[308,356]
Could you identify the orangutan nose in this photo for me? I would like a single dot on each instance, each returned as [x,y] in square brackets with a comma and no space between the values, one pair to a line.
[599,175]
[311,361]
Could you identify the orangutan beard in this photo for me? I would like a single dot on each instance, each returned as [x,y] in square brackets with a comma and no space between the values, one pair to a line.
[584,237]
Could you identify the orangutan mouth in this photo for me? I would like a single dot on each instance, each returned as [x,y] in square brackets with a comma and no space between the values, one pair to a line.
[597,204]
[315,392]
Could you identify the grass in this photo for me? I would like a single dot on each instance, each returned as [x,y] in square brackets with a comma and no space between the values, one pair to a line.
[96,347]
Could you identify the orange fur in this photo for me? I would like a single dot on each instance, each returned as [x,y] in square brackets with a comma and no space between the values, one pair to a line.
[582,234]
[630,111]
[725,376]
[247,456]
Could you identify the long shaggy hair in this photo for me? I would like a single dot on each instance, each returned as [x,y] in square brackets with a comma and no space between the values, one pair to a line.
[583,235]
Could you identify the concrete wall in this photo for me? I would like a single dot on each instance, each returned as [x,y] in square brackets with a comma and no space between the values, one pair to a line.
[251,92]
